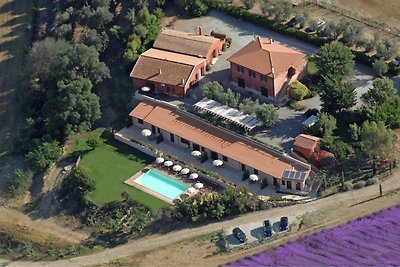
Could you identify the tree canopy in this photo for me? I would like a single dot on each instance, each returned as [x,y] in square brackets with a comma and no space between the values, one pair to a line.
[375,139]
[43,154]
[337,95]
[61,82]
[381,92]
[335,60]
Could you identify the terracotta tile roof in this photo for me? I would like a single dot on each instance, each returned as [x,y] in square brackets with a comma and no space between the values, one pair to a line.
[185,43]
[254,155]
[165,67]
[262,55]
[306,141]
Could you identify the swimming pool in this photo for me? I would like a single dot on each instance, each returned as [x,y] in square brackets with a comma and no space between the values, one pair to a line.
[161,184]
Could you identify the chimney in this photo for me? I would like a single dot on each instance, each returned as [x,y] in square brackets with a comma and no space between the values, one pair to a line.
[200,30]
[159,72]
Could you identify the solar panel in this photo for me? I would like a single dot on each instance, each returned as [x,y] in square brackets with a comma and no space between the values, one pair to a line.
[294,175]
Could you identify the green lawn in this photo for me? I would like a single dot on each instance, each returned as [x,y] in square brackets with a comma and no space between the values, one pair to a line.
[111,164]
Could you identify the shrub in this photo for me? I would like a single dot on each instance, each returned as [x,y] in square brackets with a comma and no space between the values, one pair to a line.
[229,41]
[93,142]
[208,67]
[297,107]
[298,91]
[347,186]
[249,4]
[19,182]
[43,154]
[359,184]
[224,47]
[371,181]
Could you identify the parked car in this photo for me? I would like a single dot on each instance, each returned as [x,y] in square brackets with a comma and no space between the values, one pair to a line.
[378,56]
[267,228]
[239,234]
[394,63]
[294,21]
[284,223]
[317,24]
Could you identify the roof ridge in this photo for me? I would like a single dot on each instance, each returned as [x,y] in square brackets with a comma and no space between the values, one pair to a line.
[187,37]
[165,59]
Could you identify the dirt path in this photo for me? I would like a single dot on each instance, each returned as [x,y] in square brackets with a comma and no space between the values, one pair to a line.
[38,231]
[348,201]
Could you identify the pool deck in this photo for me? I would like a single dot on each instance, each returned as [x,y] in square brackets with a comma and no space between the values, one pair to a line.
[131,181]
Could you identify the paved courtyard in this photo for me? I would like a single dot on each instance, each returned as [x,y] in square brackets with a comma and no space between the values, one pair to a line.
[289,125]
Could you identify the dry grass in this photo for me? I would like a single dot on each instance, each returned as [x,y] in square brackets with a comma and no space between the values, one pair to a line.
[14,40]
[387,11]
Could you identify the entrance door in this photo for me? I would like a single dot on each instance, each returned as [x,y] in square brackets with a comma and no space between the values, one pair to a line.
[214,155]
[241,82]
[196,147]
[289,184]
[275,181]
[172,137]
[153,129]
[264,91]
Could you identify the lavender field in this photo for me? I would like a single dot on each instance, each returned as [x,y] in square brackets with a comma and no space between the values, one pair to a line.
[373,240]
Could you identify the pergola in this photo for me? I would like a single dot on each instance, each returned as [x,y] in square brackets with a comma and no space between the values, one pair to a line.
[227,113]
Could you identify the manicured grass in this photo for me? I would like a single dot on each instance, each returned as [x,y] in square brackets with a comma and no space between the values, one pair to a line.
[111,164]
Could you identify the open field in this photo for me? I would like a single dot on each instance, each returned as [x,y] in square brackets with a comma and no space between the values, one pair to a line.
[14,40]
[387,11]
[111,164]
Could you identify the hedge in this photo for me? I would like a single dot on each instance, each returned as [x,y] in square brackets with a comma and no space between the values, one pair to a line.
[260,20]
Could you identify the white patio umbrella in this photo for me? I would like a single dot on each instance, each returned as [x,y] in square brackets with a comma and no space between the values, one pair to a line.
[146,132]
[253,177]
[185,171]
[177,168]
[168,163]
[193,176]
[145,89]
[160,160]
[218,163]
[191,190]
[196,153]
[198,185]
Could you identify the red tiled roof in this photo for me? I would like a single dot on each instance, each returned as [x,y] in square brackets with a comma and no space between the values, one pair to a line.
[165,67]
[306,141]
[266,56]
[185,43]
[197,131]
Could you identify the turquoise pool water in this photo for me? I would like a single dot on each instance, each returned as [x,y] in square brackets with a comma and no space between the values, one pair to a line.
[161,184]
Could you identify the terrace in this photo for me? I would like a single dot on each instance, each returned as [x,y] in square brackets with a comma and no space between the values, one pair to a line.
[231,174]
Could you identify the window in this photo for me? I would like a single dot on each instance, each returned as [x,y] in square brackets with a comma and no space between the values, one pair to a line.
[263,78]
[224,158]
[140,121]
[240,69]
[184,141]
[298,186]
[172,137]
[255,171]
[283,182]
[243,167]
[252,74]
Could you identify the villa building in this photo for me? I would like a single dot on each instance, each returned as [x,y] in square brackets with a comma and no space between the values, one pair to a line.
[188,131]
[266,68]
[176,62]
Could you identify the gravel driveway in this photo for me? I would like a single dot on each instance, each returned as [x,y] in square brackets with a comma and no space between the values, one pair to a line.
[289,125]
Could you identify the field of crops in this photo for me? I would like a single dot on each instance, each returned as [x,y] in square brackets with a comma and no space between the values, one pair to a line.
[373,240]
